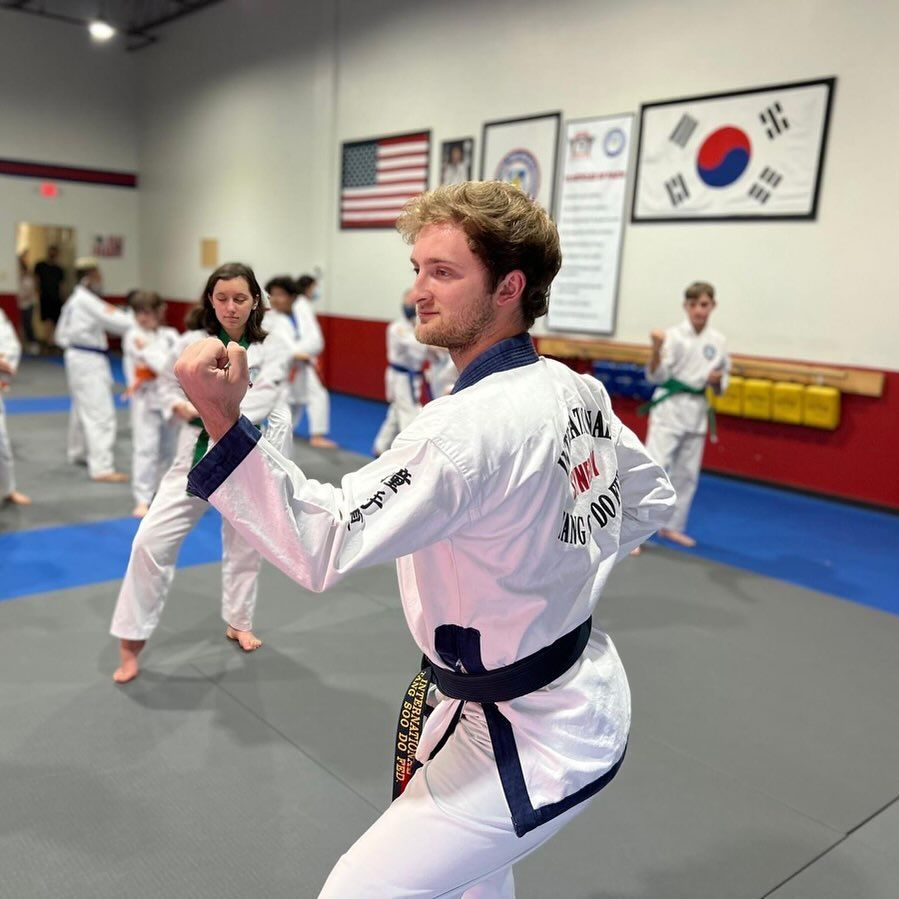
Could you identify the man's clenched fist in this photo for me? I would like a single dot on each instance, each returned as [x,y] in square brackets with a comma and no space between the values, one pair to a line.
[215,379]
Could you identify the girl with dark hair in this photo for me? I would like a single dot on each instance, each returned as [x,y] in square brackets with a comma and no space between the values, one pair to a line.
[232,308]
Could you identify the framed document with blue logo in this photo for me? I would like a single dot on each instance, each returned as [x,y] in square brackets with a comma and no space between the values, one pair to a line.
[590,219]
[523,152]
[746,155]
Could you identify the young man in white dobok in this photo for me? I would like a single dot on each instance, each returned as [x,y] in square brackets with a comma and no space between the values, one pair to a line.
[506,506]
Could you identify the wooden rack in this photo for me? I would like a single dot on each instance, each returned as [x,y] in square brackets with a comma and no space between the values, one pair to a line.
[859,381]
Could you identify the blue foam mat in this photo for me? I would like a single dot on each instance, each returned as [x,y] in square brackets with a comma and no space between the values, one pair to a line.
[88,554]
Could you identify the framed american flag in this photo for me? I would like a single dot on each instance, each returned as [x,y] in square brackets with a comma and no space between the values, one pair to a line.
[378,175]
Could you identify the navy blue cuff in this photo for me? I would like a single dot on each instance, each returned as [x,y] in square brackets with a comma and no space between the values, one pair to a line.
[214,468]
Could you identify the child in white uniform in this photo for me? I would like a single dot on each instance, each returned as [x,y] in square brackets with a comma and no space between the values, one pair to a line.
[81,331]
[10,355]
[232,309]
[403,377]
[307,390]
[686,359]
[147,350]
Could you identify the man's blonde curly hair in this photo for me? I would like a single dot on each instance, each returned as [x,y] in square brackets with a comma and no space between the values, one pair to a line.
[505,228]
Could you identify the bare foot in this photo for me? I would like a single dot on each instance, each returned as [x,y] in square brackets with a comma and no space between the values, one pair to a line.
[18,499]
[637,551]
[677,537]
[140,510]
[129,650]
[319,441]
[247,639]
[113,477]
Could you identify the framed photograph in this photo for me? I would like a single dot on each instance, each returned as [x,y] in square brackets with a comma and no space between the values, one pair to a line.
[523,152]
[745,155]
[456,160]
[378,176]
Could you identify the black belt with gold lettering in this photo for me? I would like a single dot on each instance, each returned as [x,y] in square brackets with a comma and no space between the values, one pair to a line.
[525,676]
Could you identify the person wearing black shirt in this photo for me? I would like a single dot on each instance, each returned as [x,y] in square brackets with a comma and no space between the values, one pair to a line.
[50,275]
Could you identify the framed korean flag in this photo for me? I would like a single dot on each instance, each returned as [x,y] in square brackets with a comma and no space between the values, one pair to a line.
[752,154]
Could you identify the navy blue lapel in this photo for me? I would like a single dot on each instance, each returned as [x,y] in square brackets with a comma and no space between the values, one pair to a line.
[513,352]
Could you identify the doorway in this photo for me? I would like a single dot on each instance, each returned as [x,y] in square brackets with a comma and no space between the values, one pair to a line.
[46,265]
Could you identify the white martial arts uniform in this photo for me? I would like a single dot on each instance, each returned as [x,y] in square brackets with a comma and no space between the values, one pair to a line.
[145,355]
[506,506]
[403,380]
[81,331]
[441,372]
[174,513]
[11,352]
[678,425]
[306,388]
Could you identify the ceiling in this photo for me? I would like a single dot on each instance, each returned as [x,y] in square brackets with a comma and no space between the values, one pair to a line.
[140,21]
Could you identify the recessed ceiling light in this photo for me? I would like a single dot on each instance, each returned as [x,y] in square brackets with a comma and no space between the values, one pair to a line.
[100,30]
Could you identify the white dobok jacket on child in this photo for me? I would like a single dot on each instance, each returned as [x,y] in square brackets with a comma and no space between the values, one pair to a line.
[146,354]
[690,358]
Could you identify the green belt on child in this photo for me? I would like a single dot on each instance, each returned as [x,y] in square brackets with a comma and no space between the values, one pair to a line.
[672,387]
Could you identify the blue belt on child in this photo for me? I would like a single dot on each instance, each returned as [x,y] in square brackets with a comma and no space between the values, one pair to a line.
[87,349]
[412,374]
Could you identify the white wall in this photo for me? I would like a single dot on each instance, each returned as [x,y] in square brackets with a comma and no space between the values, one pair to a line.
[235,105]
[242,108]
[63,100]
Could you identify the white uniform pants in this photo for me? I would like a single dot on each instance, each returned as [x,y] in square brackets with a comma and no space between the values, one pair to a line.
[7,469]
[405,404]
[449,835]
[153,447]
[92,422]
[307,391]
[154,552]
[680,454]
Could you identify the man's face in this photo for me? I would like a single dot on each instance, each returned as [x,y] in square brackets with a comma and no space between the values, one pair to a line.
[451,290]
[699,310]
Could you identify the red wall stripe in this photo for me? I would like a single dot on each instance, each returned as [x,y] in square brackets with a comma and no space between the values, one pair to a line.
[24,169]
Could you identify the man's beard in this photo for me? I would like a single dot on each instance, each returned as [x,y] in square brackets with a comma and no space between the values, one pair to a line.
[458,335]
